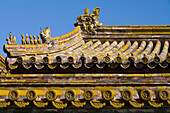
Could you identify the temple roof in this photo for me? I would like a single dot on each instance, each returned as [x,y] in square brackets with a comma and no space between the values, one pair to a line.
[93,45]
[93,66]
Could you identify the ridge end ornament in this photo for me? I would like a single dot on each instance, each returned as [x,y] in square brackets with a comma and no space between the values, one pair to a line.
[46,35]
[89,22]
[11,40]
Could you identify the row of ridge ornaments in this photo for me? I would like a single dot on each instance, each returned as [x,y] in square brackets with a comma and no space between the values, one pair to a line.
[87,22]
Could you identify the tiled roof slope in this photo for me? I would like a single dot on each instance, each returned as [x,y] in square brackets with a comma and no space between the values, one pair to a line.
[2,65]
[92,44]
[123,52]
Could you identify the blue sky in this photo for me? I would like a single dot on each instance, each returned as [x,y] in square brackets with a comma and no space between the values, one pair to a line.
[27,16]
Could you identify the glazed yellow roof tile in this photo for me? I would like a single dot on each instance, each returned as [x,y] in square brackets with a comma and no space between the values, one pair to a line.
[150,75]
[80,75]
[14,75]
[63,75]
[83,81]
[3,69]
[2,57]
[164,52]
[32,75]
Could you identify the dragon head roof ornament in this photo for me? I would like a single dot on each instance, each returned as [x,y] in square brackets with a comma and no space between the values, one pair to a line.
[46,35]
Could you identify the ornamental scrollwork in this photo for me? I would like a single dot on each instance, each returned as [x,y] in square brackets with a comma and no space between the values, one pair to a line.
[135,104]
[40,103]
[116,104]
[78,103]
[4,104]
[59,104]
[153,103]
[97,104]
[21,103]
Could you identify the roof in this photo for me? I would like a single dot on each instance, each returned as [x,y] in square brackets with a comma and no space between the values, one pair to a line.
[93,66]
[92,45]
[75,51]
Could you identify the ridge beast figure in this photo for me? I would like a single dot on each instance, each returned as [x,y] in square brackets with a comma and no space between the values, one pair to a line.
[88,22]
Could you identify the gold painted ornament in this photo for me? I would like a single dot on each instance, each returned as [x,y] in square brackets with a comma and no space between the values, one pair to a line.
[21,103]
[116,103]
[59,104]
[78,103]
[135,104]
[4,104]
[153,103]
[40,103]
[97,104]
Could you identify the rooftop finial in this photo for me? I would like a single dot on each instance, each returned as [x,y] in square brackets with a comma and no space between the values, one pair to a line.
[39,41]
[11,40]
[27,41]
[31,40]
[14,40]
[86,11]
[10,36]
[35,40]
[23,40]
[8,41]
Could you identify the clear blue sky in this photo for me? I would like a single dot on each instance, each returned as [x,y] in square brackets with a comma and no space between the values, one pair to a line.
[27,16]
